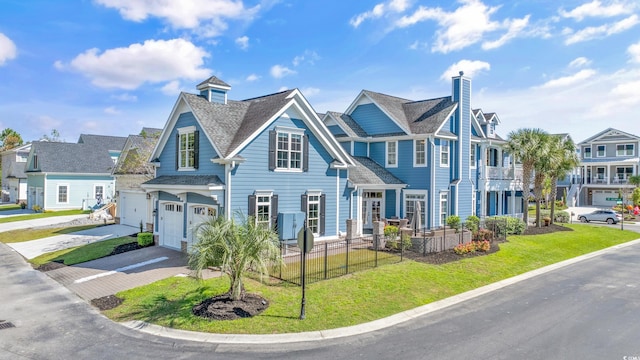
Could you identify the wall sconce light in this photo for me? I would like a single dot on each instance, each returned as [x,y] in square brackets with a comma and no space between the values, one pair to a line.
[148,196]
[155,212]
[117,193]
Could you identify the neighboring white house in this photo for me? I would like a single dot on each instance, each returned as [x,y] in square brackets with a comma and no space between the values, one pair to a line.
[14,180]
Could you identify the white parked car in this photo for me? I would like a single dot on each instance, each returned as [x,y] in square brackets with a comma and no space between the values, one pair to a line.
[606,215]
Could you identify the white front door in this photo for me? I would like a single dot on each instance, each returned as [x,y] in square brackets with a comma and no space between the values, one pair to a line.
[171,224]
[197,215]
[371,208]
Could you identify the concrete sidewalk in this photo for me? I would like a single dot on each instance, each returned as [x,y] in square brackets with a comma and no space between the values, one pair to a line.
[34,248]
[26,224]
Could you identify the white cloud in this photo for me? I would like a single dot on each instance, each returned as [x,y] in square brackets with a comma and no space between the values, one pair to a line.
[279,71]
[283,88]
[596,9]
[154,61]
[465,26]
[172,88]
[253,77]
[308,56]
[125,97]
[595,32]
[634,51]
[111,110]
[310,91]
[243,42]
[8,49]
[579,62]
[207,15]
[379,10]
[565,81]
[471,68]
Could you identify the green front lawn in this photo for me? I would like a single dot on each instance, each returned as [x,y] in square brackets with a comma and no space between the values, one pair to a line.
[6,207]
[362,296]
[42,215]
[80,254]
[20,235]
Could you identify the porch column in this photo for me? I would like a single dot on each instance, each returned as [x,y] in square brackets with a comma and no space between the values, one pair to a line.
[500,202]
[398,203]
[513,202]
[483,202]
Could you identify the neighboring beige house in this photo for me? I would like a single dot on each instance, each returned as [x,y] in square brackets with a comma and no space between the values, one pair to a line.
[14,179]
[132,169]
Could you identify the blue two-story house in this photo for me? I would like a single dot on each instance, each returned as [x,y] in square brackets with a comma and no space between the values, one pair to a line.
[261,157]
[429,152]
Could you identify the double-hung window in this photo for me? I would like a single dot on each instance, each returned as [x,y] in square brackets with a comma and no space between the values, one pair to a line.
[187,148]
[63,194]
[392,153]
[313,212]
[411,206]
[263,210]
[420,153]
[444,153]
[624,150]
[587,153]
[289,153]
[472,156]
[444,207]
[601,150]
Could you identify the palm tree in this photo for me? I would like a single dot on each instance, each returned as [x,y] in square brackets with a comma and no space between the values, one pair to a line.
[525,146]
[542,166]
[564,160]
[234,248]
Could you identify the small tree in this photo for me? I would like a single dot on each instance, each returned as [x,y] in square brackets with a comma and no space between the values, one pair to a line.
[234,248]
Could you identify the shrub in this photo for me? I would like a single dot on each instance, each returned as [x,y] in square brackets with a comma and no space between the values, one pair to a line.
[562,217]
[390,232]
[506,225]
[145,239]
[482,245]
[483,235]
[465,248]
[36,208]
[454,222]
[23,205]
[472,223]
[404,243]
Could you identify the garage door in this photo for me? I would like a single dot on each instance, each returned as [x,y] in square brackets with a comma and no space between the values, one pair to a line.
[133,208]
[171,224]
[600,197]
[197,215]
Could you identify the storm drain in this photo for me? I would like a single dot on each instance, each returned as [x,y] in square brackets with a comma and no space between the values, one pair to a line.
[6,324]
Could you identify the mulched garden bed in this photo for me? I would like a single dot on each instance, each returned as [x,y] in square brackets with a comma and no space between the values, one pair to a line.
[106,302]
[448,256]
[221,307]
[551,228]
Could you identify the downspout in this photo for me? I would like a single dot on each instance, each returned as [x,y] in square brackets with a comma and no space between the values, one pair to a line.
[337,202]
[433,180]
[227,193]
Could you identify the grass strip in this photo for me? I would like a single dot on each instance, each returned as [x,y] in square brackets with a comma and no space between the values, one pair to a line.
[20,235]
[80,254]
[363,296]
[42,215]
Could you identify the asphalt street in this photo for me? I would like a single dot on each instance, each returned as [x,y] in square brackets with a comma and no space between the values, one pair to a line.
[588,310]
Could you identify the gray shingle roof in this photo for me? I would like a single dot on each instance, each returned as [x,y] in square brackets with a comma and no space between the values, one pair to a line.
[229,125]
[185,180]
[419,117]
[351,127]
[109,143]
[136,152]
[213,81]
[59,157]
[368,172]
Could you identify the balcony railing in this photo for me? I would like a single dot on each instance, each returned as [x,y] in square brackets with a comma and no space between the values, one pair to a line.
[615,180]
[503,173]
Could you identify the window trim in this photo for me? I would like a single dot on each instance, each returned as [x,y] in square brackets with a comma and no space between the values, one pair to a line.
[444,210]
[186,131]
[444,144]
[289,132]
[604,151]
[424,194]
[58,186]
[395,154]
[269,196]
[584,153]
[472,155]
[415,153]
[633,149]
[317,194]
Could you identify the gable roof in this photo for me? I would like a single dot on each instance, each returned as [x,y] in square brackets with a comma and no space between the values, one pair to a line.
[347,124]
[109,143]
[60,157]
[136,152]
[368,172]
[606,132]
[414,117]
[213,81]
[229,127]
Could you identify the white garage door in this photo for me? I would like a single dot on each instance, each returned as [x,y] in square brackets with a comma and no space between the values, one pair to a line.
[171,224]
[197,215]
[133,209]
[600,197]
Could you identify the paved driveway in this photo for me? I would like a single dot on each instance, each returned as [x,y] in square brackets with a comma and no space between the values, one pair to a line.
[34,248]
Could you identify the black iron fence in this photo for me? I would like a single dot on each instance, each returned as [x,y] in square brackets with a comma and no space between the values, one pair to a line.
[332,259]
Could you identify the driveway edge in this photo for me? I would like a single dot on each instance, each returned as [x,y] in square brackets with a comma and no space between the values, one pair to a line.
[360,328]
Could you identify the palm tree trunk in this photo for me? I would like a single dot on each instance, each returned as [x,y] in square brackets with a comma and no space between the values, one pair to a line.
[538,182]
[237,288]
[526,184]
[554,194]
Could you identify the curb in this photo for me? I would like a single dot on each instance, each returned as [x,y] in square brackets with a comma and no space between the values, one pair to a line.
[360,328]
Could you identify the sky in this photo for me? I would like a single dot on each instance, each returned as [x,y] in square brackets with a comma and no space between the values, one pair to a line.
[112,67]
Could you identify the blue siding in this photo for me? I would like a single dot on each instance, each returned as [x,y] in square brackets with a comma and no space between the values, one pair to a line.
[373,121]
[218,96]
[390,203]
[377,152]
[80,190]
[336,130]
[346,146]
[289,186]
[359,149]
[462,152]
[168,154]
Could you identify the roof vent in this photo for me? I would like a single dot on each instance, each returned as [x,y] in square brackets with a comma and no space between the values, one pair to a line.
[214,90]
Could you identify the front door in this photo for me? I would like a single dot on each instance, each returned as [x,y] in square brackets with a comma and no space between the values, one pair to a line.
[371,208]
